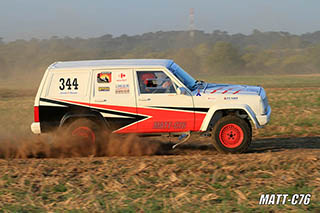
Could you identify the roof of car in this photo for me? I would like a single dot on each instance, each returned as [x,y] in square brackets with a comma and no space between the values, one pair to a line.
[113,63]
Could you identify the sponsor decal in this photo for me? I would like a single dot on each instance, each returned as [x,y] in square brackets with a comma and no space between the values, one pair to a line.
[211,99]
[122,77]
[198,93]
[104,77]
[230,98]
[283,199]
[122,89]
[169,125]
[104,89]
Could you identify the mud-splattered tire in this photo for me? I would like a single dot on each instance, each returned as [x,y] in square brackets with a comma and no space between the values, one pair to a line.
[85,134]
[231,134]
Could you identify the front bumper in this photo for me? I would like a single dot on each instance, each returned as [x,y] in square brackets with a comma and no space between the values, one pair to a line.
[35,128]
[264,119]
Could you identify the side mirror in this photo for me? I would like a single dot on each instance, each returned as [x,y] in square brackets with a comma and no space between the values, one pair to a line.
[181,91]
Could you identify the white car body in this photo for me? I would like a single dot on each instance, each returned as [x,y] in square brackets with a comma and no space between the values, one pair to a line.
[111,91]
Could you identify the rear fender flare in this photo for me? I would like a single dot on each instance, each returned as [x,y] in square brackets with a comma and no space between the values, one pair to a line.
[89,115]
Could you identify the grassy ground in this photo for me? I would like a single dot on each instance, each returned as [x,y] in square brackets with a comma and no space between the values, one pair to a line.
[295,112]
[203,182]
[16,109]
[284,158]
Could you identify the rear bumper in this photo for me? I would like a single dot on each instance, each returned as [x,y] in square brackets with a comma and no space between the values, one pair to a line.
[264,119]
[35,128]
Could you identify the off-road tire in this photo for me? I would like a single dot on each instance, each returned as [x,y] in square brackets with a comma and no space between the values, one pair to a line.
[231,134]
[87,132]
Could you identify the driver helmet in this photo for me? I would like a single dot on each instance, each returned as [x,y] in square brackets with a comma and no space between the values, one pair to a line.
[144,78]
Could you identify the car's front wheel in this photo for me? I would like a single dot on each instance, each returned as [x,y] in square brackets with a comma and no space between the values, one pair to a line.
[231,134]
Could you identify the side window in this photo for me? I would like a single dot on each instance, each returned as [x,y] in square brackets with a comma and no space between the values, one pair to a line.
[154,82]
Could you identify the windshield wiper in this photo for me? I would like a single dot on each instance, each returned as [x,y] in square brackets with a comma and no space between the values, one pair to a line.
[195,84]
[198,83]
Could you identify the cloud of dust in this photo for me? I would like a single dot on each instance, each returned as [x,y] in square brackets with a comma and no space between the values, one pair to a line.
[60,144]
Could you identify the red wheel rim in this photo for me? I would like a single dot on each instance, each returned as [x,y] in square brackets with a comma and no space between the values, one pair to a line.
[231,135]
[85,132]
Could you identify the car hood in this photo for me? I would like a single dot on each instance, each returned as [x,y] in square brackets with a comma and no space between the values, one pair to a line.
[229,89]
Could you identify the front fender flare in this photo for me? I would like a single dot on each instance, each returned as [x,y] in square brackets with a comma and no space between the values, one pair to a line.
[216,108]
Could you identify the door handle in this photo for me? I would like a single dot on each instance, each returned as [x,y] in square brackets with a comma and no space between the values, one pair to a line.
[100,100]
[144,99]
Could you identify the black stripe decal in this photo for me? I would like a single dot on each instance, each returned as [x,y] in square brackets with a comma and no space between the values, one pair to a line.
[184,108]
[138,117]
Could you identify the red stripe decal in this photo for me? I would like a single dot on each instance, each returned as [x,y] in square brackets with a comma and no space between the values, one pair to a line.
[189,121]
[237,91]
[112,107]
[215,90]
[172,121]
[198,121]
[225,91]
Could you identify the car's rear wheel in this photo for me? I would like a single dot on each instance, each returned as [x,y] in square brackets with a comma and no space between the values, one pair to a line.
[231,134]
[84,135]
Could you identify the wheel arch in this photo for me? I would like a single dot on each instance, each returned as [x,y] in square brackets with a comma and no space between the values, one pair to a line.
[217,112]
[92,115]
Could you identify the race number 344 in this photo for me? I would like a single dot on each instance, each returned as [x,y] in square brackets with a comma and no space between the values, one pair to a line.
[66,83]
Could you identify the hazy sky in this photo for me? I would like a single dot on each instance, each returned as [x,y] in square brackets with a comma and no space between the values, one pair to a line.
[24,19]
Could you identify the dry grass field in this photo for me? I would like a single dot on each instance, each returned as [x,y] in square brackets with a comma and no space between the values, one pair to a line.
[203,181]
[146,175]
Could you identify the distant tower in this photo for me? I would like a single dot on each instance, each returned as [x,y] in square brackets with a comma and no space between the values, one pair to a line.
[191,24]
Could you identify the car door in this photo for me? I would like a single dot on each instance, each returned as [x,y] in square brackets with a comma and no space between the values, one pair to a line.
[163,109]
[113,96]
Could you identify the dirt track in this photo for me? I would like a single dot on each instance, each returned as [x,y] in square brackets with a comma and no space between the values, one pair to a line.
[257,146]
[59,146]
[190,178]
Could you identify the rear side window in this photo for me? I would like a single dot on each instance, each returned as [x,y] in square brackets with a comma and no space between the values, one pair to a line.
[68,84]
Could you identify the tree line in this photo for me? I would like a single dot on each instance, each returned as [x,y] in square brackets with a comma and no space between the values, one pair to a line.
[213,53]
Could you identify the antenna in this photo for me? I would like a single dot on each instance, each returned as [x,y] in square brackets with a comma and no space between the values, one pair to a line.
[191,23]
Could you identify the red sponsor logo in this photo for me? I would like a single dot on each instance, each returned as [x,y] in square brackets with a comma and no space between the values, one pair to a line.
[122,77]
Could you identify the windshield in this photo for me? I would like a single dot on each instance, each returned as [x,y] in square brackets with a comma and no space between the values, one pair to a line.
[183,76]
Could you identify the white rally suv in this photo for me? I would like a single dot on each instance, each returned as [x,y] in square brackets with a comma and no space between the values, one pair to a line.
[147,97]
